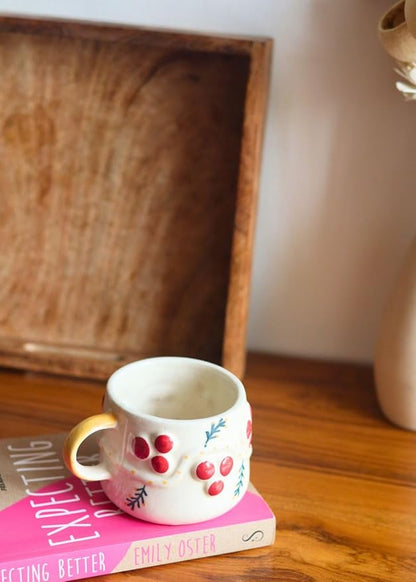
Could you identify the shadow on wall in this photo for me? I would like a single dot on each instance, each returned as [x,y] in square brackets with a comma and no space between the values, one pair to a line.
[339,162]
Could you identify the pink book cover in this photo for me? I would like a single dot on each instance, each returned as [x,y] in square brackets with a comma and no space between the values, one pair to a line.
[54,526]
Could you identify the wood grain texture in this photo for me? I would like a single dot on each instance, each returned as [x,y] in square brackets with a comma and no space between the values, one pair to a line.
[246,208]
[340,478]
[119,33]
[121,187]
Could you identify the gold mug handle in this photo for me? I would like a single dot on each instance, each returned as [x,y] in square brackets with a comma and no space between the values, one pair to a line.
[77,436]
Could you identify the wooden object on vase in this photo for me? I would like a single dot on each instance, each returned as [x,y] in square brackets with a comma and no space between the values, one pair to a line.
[410,16]
[129,165]
[395,36]
[395,359]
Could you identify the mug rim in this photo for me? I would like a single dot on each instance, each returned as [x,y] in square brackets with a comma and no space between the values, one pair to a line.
[240,390]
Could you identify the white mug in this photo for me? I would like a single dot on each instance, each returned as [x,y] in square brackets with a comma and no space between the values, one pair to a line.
[176,441]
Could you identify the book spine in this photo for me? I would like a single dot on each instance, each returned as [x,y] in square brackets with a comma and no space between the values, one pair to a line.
[198,544]
[75,565]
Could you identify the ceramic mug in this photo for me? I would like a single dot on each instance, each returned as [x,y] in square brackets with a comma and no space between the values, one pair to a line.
[176,440]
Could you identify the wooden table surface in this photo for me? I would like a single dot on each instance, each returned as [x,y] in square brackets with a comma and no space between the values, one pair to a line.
[340,479]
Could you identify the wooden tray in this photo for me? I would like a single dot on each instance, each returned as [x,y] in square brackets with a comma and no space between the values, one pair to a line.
[129,163]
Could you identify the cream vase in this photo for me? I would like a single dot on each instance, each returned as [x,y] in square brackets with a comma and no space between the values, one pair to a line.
[395,359]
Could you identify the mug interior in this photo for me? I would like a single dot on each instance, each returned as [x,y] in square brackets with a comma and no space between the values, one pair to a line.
[174,388]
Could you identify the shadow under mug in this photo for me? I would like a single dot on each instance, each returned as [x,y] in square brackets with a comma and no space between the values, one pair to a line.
[175,445]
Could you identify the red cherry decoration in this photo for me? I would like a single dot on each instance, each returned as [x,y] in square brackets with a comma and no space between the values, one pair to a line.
[226,466]
[205,470]
[160,464]
[249,430]
[163,443]
[141,448]
[216,487]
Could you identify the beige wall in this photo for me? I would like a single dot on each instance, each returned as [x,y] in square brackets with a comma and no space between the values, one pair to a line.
[337,205]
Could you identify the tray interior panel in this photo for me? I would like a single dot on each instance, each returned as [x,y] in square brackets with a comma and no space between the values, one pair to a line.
[118,178]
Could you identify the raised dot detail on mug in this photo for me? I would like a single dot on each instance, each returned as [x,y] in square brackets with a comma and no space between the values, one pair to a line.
[226,466]
[249,430]
[205,470]
[141,448]
[163,443]
[160,464]
[216,487]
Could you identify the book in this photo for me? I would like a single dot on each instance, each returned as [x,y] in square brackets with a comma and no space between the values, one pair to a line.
[56,527]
